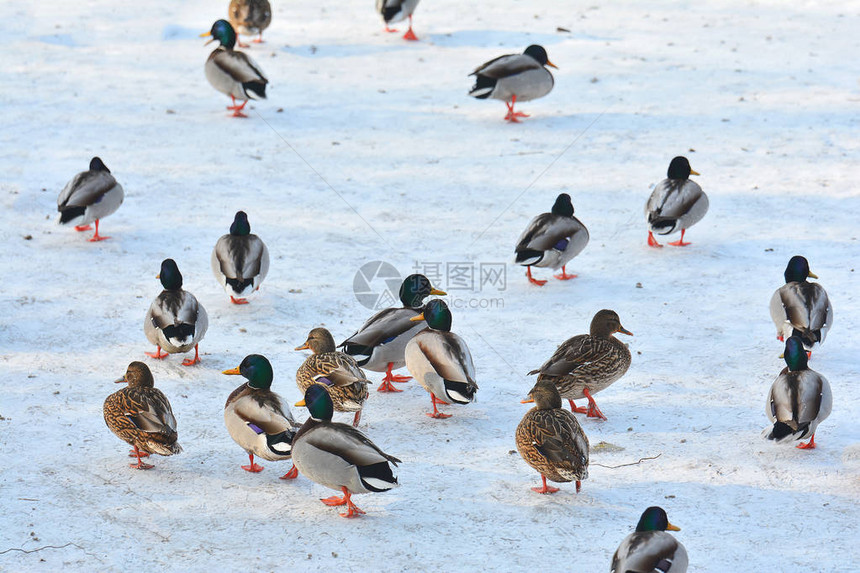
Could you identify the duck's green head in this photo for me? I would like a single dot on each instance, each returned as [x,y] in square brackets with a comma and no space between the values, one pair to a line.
[223,32]
[137,375]
[797,270]
[240,227]
[680,168]
[436,314]
[257,369]
[539,53]
[795,354]
[606,323]
[171,278]
[319,403]
[96,164]
[415,289]
[563,206]
[654,519]
[319,341]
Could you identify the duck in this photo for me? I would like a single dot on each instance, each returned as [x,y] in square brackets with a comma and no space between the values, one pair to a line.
[676,204]
[588,363]
[140,415]
[89,197]
[256,418]
[799,399]
[552,240]
[336,371]
[551,440]
[397,11]
[514,77]
[650,548]
[380,344]
[440,360]
[800,307]
[232,72]
[175,321]
[338,456]
[250,17]
[240,260]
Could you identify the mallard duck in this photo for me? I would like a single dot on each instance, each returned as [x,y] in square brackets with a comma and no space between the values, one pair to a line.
[335,371]
[89,197]
[650,549]
[440,360]
[339,456]
[397,11]
[588,363]
[255,417]
[676,204]
[175,321]
[799,399]
[551,441]
[250,17]
[380,344]
[513,78]
[232,72]
[140,415]
[551,240]
[800,307]
[240,260]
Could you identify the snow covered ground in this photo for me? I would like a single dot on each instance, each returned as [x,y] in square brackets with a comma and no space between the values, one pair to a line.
[369,150]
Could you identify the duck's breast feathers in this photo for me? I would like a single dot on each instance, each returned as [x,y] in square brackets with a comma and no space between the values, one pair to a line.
[799,397]
[575,353]
[548,231]
[675,200]
[262,408]
[383,327]
[238,66]
[649,551]
[344,442]
[447,354]
[242,257]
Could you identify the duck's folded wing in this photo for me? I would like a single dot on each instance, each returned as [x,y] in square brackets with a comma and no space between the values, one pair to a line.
[349,444]
[674,198]
[342,370]
[448,356]
[383,327]
[152,413]
[240,256]
[506,66]
[239,66]
[573,354]
[267,416]
[549,231]
[86,189]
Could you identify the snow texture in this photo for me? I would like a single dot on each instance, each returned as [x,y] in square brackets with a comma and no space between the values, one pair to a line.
[368,149]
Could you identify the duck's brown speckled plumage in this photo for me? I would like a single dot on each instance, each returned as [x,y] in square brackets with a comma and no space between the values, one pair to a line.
[337,372]
[550,439]
[140,414]
[592,361]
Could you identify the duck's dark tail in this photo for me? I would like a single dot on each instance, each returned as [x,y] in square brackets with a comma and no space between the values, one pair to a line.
[808,337]
[528,257]
[783,432]
[257,88]
[71,213]
[483,87]
[662,225]
[378,476]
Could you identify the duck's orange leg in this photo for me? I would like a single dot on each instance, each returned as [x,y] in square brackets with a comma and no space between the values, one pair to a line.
[533,280]
[192,361]
[680,242]
[292,474]
[140,465]
[546,488]
[253,468]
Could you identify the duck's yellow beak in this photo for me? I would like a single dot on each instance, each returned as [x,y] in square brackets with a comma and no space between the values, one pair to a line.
[812,275]
[623,330]
[158,276]
[528,400]
[692,172]
[120,381]
[550,64]
[303,346]
[671,527]
[417,318]
[204,34]
[438,292]
[232,371]
[300,403]
[782,355]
